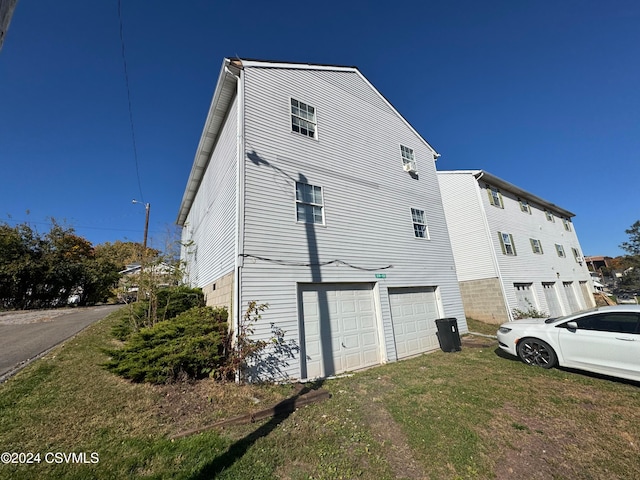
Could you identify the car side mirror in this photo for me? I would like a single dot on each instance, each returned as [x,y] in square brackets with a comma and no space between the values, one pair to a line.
[572,325]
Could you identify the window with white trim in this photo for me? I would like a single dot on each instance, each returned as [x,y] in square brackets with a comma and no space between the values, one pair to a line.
[495,197]
[576,255]
[419,223]
[536,246]
[303,118]
[507,244]
[407,156]
[524,206]
[309,203]
[549,215]
[560,250]
[567,224]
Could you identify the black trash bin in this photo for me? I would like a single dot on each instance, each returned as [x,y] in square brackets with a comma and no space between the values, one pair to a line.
[448,334]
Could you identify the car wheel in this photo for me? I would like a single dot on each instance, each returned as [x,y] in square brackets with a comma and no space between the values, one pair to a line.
[537,353]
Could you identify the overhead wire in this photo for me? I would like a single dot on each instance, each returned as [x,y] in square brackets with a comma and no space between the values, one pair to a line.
[126,79]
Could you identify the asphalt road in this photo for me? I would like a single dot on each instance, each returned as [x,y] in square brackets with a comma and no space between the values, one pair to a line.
[22,342]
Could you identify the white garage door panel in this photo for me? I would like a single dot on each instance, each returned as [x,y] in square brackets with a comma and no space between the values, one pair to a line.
[338,321]
[413,314]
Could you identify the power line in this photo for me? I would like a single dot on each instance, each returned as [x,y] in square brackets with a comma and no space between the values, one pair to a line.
[126,79]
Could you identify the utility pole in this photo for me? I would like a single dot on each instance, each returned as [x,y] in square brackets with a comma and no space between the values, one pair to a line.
[147,207]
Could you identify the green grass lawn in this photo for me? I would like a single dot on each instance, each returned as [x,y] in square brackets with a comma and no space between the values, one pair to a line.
[470,414]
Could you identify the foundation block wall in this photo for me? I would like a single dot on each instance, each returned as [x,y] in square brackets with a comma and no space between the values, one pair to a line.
[219,293]
[483,300]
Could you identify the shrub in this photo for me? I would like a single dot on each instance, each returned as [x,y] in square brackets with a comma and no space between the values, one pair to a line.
[532,312]
[170,301]
[188,346]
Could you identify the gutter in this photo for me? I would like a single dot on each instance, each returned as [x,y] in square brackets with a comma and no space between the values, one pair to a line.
[240,204]
[494,257]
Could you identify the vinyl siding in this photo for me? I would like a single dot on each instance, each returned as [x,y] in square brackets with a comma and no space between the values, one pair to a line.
[526,266]
[211,224]
[472,249]
[367,198]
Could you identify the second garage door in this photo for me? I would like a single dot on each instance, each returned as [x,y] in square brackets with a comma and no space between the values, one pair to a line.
[413,314]
[340,330]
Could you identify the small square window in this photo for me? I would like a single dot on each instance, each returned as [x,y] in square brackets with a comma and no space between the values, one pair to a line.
[309,203]
[524,206]
[549,216]
[419,223]
[560,251]
[303,118]
[536,246]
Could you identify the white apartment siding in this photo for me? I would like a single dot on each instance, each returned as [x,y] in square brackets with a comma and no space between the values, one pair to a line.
[367,199]
[527,266]
[211,224]
[467,226]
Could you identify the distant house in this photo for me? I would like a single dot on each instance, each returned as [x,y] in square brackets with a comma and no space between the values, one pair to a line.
[514,251]
[311,193]
[164,276]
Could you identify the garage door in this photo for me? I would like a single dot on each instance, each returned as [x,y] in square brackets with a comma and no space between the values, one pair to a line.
[339,329]
[413,314]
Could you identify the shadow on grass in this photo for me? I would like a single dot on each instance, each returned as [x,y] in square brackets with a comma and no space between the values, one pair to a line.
[236,451]
[502,354]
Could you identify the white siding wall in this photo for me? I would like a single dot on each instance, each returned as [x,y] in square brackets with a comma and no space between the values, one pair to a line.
[211,223]
[527,266]
[367,198]
[472,249]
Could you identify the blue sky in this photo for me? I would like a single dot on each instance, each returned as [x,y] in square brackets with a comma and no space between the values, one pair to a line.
[544,94]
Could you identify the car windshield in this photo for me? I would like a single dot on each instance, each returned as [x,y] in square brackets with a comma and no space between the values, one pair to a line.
[559,319]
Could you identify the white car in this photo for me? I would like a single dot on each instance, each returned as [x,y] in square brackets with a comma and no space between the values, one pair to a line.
[603,340]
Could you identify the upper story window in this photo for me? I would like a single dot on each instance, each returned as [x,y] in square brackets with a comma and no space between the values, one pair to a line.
[576,255]
[560,250]
[407,157]
[524,206]
[309,204]
[419,223]
[303,118]
[506,242]
[536,246]
[495,197]
[549,215]
[567,224]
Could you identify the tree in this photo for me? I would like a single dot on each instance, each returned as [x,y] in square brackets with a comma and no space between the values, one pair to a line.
[630,281]
[124,253]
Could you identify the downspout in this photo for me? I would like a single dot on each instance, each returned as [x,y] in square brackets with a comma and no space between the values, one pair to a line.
[240,173]
[494,257]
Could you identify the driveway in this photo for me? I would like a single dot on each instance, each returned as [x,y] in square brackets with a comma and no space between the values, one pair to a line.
[26,335]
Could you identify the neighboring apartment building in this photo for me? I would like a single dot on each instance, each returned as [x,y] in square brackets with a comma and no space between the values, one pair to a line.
[513,250]
[311,193]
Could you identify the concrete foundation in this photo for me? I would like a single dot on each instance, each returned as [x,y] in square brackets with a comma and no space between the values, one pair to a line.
[483,300]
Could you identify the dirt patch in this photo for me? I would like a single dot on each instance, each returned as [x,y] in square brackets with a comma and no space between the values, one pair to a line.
[473,341]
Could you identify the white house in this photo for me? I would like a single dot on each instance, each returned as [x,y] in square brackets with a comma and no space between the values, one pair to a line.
[512,249]
[311,193]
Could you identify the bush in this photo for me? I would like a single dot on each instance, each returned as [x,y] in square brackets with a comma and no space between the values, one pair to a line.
[188,346]
[171,302]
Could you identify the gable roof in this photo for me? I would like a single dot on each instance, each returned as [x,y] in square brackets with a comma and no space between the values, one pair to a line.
[223,97]
[504,185]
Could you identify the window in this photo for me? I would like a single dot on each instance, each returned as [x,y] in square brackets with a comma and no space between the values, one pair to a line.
[309,205]
[495,197]
[419,223]
[506,242]
[567,224]
[560,250]
[576,255]
[524,206]
[407,156]
[549,215]
[303,118]
[621,322]
[536,246]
